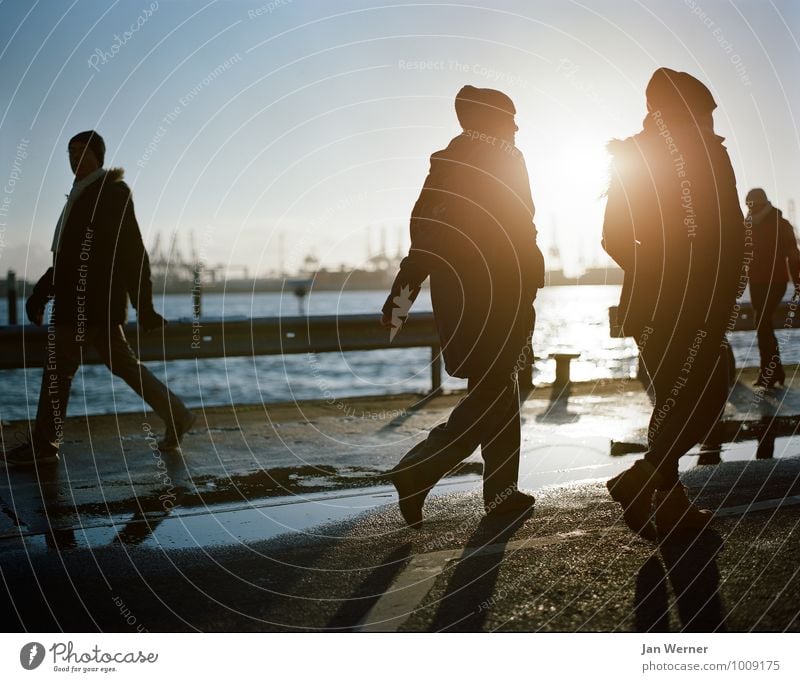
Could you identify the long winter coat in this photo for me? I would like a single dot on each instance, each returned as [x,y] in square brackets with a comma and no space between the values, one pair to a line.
[472,232]
[674,225]
[101,261]
[774,247]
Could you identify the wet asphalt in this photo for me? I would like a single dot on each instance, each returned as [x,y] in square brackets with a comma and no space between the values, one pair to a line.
[281,518]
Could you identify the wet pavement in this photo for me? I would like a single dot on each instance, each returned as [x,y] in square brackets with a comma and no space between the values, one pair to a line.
[281,517]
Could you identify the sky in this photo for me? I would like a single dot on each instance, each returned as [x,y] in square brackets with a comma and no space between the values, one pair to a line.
[262,131]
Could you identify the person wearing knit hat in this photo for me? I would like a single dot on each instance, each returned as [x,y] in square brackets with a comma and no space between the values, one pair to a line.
[678,93]
[674,224]
[99,264]
[472,233]
[485,109]
[775,261]
[92,141]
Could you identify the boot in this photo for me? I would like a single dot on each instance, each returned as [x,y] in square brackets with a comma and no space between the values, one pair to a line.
[634,489]
[411,492]
[769,377]
[176,430]
[674,511]
[516,503]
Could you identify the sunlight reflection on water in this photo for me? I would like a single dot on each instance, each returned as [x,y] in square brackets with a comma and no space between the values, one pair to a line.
[572,318]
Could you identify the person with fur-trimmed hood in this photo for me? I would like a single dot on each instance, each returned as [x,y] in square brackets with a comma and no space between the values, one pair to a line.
[472,233]
[99,261]
[673,223]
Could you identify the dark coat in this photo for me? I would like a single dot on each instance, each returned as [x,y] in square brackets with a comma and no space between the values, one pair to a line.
[101,261]
[472,232]
[674,225]
[774,247]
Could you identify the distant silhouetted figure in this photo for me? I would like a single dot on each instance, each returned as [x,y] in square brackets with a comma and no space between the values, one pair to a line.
[674,225]
[775,260]
[99,260]
[472,232]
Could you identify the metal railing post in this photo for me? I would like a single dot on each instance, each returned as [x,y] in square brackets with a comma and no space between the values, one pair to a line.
[436,368]
[197,292]
[11,293]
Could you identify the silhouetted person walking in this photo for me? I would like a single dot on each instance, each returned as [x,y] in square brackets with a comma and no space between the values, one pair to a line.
[472,232]
[775,260]
[674,225]
[99,261]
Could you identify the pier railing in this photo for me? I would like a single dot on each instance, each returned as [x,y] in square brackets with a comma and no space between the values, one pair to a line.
[188,339]
[786,317]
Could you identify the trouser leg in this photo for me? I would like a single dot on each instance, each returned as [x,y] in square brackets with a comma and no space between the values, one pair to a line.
[691,391]
[117,354]
[500,449]
[62,359]
[484,414]
[765,300]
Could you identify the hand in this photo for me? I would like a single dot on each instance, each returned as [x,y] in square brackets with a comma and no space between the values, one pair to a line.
[386,321]
[151,320]
[34,309]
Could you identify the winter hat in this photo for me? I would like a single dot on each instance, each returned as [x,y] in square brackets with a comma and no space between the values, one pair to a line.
[93,141]
[678,92]
[475,105]
[756,197]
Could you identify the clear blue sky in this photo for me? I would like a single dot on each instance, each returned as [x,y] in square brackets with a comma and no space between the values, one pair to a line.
[315,121]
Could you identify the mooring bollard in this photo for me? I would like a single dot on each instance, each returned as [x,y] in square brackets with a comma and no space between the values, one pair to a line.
[563,361]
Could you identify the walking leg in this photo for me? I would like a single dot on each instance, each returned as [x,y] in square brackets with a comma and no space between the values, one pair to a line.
[62,361]
[119,357]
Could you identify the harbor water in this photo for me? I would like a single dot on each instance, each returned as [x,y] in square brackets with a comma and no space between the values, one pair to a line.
[569,318]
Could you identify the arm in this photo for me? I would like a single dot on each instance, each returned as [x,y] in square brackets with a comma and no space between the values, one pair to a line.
[619,239]
[415,267]
[35,305]
[137,265]
[790,250]
[536,264]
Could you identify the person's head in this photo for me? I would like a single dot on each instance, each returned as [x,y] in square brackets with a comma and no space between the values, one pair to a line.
[680,97]
[756,199]
[487,111]
[87,152]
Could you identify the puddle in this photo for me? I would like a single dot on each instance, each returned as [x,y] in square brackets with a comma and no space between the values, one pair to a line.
[191,528]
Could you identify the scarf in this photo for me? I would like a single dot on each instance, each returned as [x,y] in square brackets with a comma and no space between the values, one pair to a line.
[77,187]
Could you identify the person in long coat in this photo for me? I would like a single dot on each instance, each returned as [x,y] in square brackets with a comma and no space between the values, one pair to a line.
[774,262]
[472,233]
[673,223]
[99,263]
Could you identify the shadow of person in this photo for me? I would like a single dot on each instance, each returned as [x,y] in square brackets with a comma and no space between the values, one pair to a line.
[470,592]
[557,411]
[651,603]
[688,564]
[354,609]
[37,505]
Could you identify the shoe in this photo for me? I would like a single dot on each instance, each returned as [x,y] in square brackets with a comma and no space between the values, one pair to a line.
[26,455]
[674,511]
[516,503]
[411,494]
[176,430]
[633,489]
[767,379]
